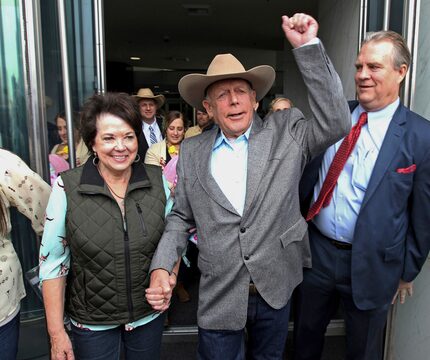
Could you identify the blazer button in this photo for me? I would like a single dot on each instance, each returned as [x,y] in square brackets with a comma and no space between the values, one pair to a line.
[246,257]
[242,230]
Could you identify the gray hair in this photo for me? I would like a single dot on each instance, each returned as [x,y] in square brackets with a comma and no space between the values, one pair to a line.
[401,54]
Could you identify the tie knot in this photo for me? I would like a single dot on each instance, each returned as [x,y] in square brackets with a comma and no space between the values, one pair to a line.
[362,119]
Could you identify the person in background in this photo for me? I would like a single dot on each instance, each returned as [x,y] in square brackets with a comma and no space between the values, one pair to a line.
[280,103]
[104,221]
[25,190]
[238,186]
[203,122]
[62,149]
[160,154]
[151,123]
[174,129]
[57,165]
[367,201]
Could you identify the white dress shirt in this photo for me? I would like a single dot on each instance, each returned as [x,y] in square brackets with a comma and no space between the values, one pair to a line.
[229,166]
[146,132]
[337,220]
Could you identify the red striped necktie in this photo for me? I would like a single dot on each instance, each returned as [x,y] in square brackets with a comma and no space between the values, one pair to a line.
[339,161]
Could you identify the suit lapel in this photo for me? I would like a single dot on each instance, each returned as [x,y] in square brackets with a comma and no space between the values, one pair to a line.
[142,146]
[388,150]
[260,143]
[204,153]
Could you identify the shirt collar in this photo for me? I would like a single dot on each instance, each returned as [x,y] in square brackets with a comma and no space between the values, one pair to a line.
[378,121]
[386,113]
[146,125]
[222,139]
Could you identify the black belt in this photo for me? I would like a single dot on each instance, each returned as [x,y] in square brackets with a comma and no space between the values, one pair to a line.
[341,245]
[252,289]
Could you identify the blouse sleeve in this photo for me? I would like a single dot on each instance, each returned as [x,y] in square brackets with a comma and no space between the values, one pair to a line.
[54,255]
[25,190]
[151,157]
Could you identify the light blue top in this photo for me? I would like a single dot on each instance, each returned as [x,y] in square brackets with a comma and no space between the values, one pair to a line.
[229,166]
[55,253]
[337,220]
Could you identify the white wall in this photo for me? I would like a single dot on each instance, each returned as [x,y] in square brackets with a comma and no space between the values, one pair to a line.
[339,22]
[410,333]
[422,90]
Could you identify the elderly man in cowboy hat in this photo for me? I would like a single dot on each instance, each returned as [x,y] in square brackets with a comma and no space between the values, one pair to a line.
[238,185]
[151,124]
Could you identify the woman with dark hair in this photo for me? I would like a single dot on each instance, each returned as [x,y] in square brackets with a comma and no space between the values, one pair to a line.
[105,221]
[174,130]
[25,190]
[160,154]
[62,149]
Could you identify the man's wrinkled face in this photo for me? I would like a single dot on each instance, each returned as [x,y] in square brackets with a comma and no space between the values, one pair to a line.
[377,80]
[231,104]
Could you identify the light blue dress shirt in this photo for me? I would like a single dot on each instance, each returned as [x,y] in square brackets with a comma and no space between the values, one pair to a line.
[337,220]
[229,166]
[229,163]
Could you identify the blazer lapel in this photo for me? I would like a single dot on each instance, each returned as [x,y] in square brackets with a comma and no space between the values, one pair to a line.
[260,143]
[388,150]
[203,169]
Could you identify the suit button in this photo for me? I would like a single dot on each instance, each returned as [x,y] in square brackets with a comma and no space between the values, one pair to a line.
[246,257]
[242,230]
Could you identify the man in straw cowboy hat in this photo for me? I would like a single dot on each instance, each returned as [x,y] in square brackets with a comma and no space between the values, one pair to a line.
[151,124]
[238,184]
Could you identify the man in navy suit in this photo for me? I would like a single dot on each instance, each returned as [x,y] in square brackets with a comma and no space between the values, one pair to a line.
[152,125]
[370,237]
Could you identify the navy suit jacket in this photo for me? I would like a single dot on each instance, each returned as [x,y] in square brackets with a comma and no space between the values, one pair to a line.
[143,144]
[392,236]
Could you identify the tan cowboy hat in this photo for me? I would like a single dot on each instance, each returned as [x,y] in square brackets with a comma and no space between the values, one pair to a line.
[192,87]
[145,93]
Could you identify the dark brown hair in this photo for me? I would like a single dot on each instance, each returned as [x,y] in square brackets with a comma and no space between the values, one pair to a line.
[75,119]
[121,105]
[172,116]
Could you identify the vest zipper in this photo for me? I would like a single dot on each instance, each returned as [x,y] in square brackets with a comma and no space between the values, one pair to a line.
[142,222]
[128,274]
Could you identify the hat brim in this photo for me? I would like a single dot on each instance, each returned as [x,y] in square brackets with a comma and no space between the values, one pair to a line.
[192,86]
[159,99]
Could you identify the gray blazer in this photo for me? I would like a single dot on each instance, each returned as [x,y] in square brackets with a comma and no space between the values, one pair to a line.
[269,242]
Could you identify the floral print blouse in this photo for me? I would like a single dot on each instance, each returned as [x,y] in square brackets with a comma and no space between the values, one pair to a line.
[22,188]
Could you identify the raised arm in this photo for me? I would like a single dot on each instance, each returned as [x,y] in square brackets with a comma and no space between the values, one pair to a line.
[331,116]
[299,29]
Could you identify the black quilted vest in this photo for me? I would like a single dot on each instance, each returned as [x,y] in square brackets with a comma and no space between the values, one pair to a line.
[109,266]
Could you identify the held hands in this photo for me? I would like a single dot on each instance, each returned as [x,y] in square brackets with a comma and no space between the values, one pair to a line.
[160,289]
[403,289]
[299,29]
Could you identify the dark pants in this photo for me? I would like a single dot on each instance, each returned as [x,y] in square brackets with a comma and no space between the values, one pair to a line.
[317,299]
[144,342]
[9,335]
[267,331]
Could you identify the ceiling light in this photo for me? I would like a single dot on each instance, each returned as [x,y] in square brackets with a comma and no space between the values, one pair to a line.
[197,10]
[134,58]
